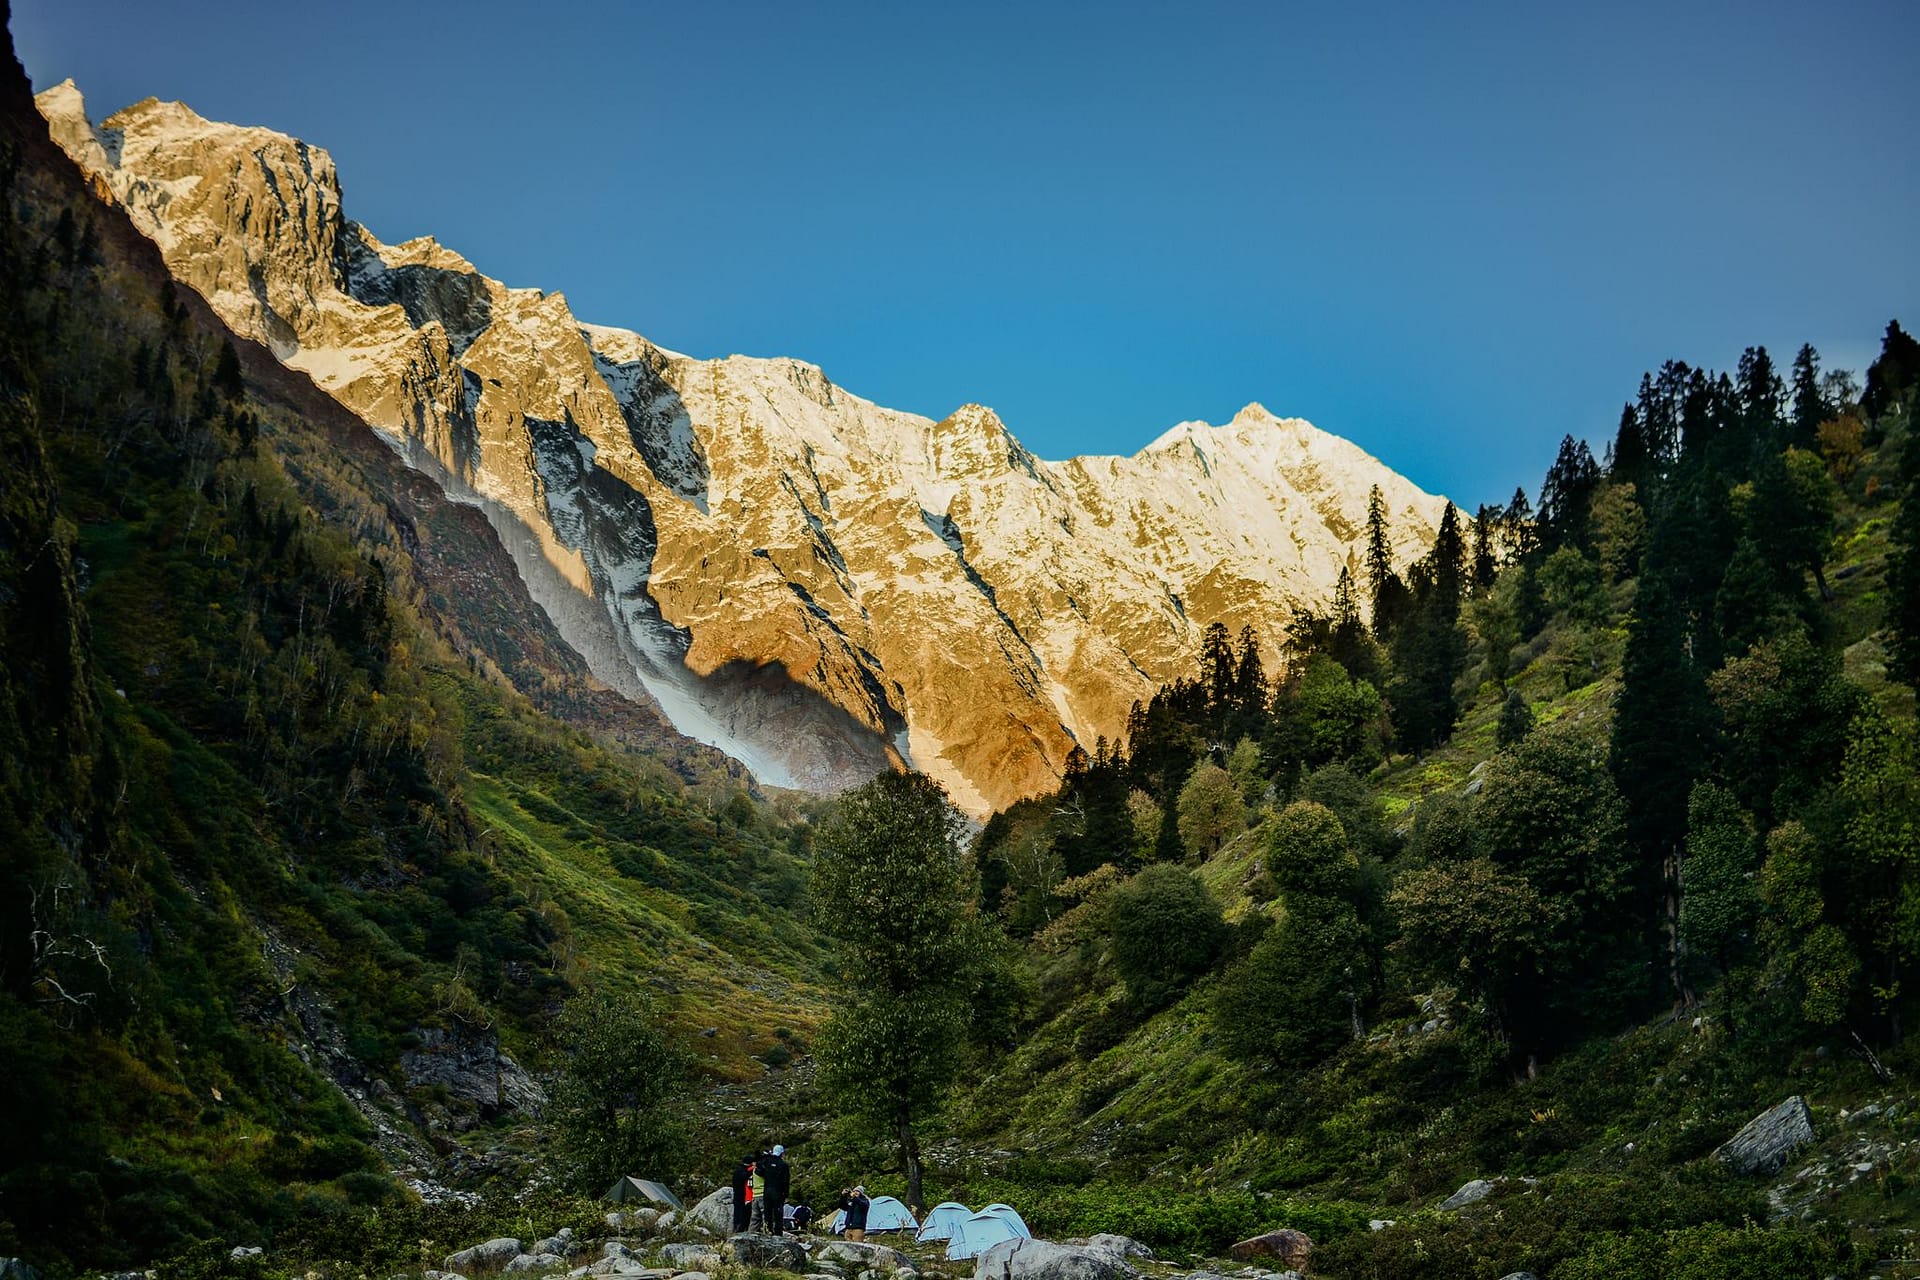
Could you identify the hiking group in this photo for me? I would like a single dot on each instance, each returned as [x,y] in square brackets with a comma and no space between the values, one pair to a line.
[760,1184]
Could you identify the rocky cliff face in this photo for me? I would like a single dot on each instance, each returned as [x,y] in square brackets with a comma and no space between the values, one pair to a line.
[817,584]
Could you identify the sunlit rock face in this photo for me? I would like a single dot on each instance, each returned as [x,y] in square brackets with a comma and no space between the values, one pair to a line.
[821,586]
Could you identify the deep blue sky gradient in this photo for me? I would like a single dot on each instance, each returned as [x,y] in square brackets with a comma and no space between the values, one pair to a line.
[1451,232]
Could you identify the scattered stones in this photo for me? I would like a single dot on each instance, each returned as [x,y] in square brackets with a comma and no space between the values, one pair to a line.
[536,1262]
[1765,1142]
[560,1242]
[1291,1247]
[690,1257]
[495,1253]
[864,1257]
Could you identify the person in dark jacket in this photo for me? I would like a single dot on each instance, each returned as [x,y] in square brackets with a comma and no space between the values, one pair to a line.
[854,1204]
[741,1208]
[777,1177]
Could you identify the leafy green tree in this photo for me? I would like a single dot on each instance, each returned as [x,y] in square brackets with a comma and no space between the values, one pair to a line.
[1787,713]
[1472,924]
[1880,785]
[1212,810]
[1301,991]
[1791,513]
[893,887]
[1308,852]
[1339,716]
[1619,531]
[1164,930]
[617,1106]
[1574,586]
[1719,900]
[1549,813]
[1807,954]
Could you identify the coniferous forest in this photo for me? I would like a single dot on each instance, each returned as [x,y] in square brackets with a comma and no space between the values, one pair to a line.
[1541,864]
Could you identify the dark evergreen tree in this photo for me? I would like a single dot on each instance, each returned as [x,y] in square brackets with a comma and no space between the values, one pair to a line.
[1518,533]
[1566,497]
[1388,591]
[1348,642]
[226,373]
[1516,719]
[1486,561]
[1810,404]
[1447,564]
[1761,395]
[1891,377]
[1632,463]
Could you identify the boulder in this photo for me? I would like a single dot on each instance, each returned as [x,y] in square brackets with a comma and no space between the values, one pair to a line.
[490,1256]
[1470,1193]
[1029,1259]
[863,1257]
[715,1213]
[691,1275]
[1119,1246]
[17,1269]
[1290,1247]
[536,1262]
[1518,1275]
[243,1251]
[1766,1141]
[774,1252]
[560,1242]
[826,1269]
[690,1257]
[431,1274]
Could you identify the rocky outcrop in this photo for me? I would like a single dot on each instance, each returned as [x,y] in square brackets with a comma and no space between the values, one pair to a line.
[691,1257]
[1028,1259]
[472,1068]
[1764,1142]
[818,584]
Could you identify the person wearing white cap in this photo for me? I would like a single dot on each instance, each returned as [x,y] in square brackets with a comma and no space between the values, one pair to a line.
[778,1178]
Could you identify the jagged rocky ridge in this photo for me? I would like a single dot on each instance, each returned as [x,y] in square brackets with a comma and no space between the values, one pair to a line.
[813,582]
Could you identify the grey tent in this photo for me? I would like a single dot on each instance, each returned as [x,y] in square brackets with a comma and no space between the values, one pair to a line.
[641,1189]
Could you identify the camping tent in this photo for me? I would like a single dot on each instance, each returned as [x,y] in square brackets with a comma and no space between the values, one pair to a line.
[941,1222]
[884,1213]
[981,1231]
[641,1189]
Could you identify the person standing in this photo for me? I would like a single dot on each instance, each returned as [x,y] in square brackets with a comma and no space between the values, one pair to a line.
[757,1192]
[778,1175]
[741,1172]
[854,1205]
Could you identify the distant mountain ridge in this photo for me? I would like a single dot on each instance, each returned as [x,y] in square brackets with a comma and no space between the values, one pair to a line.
[815,583]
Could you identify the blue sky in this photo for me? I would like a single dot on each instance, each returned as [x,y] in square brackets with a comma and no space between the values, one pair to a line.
[1449,232]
